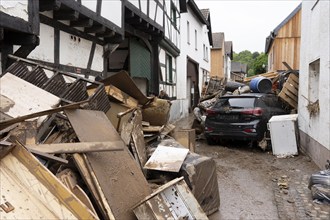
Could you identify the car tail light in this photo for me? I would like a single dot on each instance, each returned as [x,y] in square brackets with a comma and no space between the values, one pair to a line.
[209,129]
[210,112]
[250,130]
[253,111]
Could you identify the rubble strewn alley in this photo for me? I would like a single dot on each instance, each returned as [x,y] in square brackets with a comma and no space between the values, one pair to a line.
[135,110]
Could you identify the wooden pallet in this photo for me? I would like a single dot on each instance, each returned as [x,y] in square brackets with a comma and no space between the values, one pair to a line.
[289,93]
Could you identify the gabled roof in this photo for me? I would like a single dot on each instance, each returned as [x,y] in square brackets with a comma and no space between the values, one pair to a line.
[273,34]
[218,39]
[206,14]
[229,49]
[197,12]
[238,67]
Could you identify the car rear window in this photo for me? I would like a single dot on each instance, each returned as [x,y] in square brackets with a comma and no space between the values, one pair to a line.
[235,102]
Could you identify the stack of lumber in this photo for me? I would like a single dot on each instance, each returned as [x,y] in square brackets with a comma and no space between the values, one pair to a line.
[269,75]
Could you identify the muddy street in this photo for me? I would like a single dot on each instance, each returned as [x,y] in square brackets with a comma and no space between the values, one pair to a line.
[249,182]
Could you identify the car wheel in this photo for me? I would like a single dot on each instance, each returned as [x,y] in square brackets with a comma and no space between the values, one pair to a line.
[210,140]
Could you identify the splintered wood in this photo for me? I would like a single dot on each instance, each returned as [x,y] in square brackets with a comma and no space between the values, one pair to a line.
[289,93]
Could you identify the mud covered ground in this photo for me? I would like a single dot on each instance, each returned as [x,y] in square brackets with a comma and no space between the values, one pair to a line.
[254,184]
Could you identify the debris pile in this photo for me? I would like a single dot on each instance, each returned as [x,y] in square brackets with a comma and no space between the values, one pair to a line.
[74,148]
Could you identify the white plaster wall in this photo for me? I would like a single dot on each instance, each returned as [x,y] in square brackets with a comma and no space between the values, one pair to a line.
[112,10]
[15,8]
[45,50]
[315,45]
[76,53]
[188,50]
[179,109]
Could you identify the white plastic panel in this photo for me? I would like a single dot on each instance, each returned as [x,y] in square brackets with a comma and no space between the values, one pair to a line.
[15,8]
[115,7]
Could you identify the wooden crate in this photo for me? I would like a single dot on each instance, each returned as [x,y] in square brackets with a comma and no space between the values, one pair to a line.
[289,93]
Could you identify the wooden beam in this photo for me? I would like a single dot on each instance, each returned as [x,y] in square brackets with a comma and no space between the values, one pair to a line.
[108,33]
[49,5]
[95,29]
[82,23]
[49,156]
[66,15]
[82,147]
[58,25]
[6,123]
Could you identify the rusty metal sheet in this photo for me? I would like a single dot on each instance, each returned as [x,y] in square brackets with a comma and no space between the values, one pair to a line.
[119,176]
[167,159]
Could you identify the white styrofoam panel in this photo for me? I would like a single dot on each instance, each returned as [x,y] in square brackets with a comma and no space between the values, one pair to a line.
[91,4]
[15,8]
[115,7]
[25,97]
[45,50]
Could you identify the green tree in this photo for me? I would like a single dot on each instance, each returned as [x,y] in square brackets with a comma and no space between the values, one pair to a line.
[260,63]
[256,62]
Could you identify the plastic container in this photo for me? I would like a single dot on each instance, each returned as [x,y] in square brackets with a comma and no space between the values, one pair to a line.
[261,84]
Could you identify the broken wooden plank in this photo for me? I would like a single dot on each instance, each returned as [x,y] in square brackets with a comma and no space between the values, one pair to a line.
[81,147]
[40,193]
[49,157]
[9,122]
[138,138]
[87,177]
[121,180]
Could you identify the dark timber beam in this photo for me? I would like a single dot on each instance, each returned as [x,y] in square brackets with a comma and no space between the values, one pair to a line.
[108,33]
[58,25]
[95,29]
[66,15]
[82,23]
[49,5]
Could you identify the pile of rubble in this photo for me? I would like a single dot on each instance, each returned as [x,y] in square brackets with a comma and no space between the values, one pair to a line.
[284,84]
[74,148]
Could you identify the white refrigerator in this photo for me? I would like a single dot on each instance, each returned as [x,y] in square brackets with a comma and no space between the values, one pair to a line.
[284,135]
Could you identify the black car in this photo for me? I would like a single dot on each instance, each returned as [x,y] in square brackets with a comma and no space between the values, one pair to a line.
[241,117]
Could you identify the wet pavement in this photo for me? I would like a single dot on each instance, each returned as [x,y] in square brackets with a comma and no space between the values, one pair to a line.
[254,184]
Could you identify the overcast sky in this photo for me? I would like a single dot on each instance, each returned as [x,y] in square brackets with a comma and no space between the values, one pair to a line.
[247,22]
